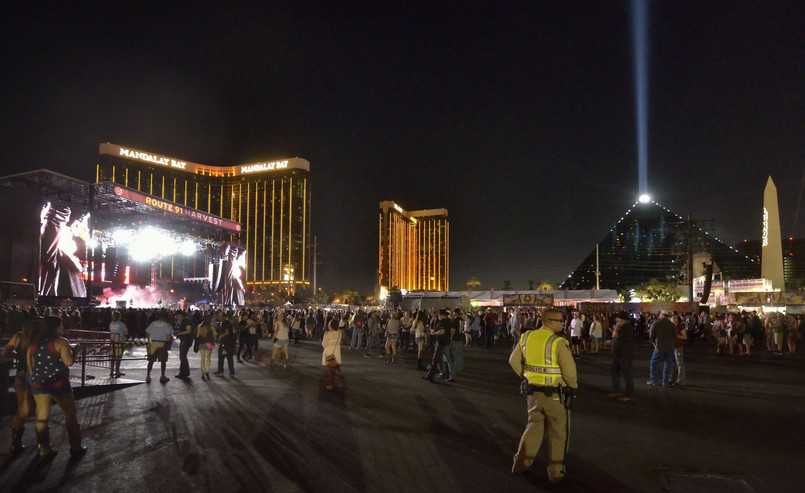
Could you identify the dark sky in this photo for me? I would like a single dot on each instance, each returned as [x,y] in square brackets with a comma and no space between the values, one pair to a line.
[518,117]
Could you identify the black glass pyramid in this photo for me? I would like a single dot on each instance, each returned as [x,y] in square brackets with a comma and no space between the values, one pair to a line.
[651,242]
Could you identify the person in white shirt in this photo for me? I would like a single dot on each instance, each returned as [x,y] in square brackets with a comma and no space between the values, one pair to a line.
[576,326]
[160,334]
[117,334]
[597,334]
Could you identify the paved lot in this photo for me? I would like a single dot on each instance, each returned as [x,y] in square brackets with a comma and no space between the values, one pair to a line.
[736,427]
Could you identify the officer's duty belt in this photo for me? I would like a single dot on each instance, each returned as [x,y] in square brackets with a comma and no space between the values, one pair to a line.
[548,391]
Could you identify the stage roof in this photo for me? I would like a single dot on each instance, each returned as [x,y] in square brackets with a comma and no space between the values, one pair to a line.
[113,209]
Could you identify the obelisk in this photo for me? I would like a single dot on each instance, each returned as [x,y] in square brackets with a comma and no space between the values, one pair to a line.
[771,256]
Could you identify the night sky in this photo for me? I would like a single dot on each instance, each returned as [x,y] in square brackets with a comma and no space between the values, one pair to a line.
[518,117]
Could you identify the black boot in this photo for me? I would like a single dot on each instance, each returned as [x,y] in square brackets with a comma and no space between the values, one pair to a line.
[419,364]
[43,442]
[16,441]
[76,449]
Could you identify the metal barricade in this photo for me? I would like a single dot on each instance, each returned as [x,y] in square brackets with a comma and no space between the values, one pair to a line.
[98,350]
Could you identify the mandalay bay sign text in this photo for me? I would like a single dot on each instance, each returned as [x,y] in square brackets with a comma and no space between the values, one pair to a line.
[257,167]
[152,158]
[190,167]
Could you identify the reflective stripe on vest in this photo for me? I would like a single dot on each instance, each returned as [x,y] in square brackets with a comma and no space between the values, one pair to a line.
[541,365]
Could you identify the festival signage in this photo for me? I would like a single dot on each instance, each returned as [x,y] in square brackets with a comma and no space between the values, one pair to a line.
[543,299]
[749,285]
[174,208]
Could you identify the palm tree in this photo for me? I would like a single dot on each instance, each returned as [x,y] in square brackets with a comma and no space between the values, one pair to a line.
[473,283]
[507,285]
[545,286]
[656,290]
[531,285]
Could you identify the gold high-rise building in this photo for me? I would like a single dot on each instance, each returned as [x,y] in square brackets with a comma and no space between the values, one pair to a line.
[414,249]
[270,200]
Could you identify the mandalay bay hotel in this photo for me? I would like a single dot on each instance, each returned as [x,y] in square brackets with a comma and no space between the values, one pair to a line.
[414,249]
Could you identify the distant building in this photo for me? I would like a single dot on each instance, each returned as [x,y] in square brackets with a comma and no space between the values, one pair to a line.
[651,242]
[271,200]
[793,258]
[414,249]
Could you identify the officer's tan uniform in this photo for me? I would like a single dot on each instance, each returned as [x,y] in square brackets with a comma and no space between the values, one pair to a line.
[544,358]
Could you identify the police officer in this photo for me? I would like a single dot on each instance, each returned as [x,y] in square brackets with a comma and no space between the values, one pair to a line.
[543,359]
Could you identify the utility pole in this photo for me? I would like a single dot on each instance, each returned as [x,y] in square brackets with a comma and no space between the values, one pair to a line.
[315,263]
[691,225]
[690,261]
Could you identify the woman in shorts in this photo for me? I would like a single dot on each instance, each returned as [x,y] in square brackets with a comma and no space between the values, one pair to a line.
[392,336]
[49,359]
[17,346]
[597,333]
[419,338]
[281,341]
[720,331]
[206,338]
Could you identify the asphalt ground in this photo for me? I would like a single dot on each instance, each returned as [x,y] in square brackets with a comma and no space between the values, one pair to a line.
[737,426]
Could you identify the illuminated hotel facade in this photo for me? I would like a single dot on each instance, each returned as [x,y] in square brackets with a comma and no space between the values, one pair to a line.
[414,249]
[270,200]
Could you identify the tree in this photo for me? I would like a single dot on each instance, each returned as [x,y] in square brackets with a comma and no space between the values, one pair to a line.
[531,285]
[351,297]
[546,286]
[656,290]
[302,294]
[507,285]
[473,283]
[322,297]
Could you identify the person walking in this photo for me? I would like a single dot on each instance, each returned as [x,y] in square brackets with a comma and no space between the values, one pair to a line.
[544,363]
[490,323]
[392,336]
[679,354]
[227,338]
[357,324]
[622,357]
[281,341]
[331,354]
[205,339]
[184,331]
[18,346]
[48,361]
[663,336]
[454,354]
[419,338]
[475,328]
[117,335]
[596,334]
[442,334]
[372,338]
[160,335]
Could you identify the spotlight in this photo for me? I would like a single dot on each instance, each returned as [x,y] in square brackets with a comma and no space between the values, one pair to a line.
[644,199]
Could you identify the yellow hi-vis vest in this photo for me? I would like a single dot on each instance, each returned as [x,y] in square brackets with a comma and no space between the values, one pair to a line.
[541,364]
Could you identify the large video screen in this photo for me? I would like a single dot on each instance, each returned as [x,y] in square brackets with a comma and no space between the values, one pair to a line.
[64,234]
[228,273]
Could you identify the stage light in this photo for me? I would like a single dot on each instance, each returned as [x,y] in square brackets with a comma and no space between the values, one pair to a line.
[644,199]
[187,248]
[122,236]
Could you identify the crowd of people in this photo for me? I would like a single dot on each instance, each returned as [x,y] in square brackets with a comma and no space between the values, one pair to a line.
[436,337]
